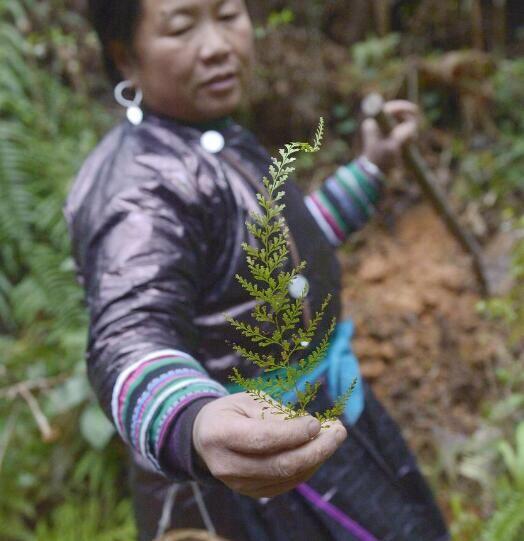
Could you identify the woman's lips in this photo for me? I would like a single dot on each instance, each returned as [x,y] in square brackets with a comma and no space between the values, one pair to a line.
[222,84]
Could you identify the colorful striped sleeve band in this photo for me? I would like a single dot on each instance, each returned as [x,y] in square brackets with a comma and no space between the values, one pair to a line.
[346,200]
[150,394]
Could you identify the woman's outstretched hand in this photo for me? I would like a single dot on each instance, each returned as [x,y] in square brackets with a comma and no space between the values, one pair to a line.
[385,151]
[261,455]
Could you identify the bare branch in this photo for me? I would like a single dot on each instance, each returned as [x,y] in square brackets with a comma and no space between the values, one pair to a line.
[40,384]
[49,433]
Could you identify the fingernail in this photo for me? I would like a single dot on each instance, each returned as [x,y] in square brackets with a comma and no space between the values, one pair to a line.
[313,428]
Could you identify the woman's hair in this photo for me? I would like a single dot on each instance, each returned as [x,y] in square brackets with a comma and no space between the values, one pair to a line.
[114,20]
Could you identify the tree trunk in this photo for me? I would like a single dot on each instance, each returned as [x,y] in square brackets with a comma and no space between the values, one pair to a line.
[382,11]
[499,26]
[347,21]
[477,25]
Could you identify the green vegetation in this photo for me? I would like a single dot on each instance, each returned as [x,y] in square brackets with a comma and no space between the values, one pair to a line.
[61,472]
[283,368]
[53,483]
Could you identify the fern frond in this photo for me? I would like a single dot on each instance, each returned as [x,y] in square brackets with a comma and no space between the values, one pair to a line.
[270,288]
[507,524]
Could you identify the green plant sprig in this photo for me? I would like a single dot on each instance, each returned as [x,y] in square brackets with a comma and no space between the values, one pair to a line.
[283,368]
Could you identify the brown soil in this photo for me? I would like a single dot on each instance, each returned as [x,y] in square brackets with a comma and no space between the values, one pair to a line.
[420,340]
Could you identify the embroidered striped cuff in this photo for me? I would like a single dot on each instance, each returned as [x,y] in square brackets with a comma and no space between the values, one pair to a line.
[150,394]
[346,200]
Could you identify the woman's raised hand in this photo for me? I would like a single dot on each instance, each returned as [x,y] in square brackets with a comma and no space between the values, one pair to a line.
[259,454]
[385,151]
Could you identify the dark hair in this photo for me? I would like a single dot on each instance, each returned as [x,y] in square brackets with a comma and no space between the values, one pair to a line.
[114,20]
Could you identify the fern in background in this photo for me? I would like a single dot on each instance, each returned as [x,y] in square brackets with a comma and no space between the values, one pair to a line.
[79,520]
[46,128]
[507,523]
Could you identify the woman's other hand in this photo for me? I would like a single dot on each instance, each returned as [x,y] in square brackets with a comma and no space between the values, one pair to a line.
[260,454]
[385,151]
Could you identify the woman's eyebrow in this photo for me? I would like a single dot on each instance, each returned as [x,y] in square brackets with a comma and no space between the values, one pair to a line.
[180,8]
[185,8]
[219,3]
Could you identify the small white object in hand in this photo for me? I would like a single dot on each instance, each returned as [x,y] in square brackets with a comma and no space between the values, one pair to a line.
[212,141]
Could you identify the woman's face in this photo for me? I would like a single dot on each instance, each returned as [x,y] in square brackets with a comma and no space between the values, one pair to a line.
[192,58]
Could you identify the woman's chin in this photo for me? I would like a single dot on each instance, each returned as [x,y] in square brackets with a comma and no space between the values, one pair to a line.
[219,110]
[205,109]
[219,104]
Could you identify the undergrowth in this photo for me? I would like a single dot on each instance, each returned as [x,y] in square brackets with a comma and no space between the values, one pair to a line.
[54,483]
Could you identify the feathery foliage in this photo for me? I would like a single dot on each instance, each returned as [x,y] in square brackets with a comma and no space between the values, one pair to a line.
[46,129]
[279,331]
[507,524]
[47,126]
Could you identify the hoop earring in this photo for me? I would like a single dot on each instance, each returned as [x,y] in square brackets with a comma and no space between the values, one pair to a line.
[133,112]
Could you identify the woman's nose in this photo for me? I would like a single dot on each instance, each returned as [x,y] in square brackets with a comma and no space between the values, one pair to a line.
[215,45]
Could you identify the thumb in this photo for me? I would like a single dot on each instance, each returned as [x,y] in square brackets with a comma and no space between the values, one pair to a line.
[254,429]
[405,132]
[371,132]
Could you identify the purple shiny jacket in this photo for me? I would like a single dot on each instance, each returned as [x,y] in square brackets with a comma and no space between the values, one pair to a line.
[157,223]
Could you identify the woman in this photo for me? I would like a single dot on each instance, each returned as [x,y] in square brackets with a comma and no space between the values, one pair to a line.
[157,217]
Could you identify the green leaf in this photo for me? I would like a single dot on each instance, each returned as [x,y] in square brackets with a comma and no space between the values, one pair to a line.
[69,395]
[95,427]
[281,315]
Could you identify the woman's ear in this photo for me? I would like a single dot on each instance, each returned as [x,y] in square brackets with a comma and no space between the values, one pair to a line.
[123,60]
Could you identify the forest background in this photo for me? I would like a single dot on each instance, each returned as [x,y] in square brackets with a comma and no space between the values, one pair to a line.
[447,362]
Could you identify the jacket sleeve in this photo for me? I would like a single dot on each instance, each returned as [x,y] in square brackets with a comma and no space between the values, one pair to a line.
[143,269]
[346,200]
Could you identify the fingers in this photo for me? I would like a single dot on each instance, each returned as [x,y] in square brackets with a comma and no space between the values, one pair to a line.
[258,489]
[404,112]
[405,132]
[274,490]
[261,457]
[282,466]
[407,116]
[401,109]
[268,436]
[371,131]
[254,433]
[251,436]
[385,149]
[287,484]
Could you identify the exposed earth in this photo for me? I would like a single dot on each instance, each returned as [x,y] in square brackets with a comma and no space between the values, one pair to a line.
[421,341]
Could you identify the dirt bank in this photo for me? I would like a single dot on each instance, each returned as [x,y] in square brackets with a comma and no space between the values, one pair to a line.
[428,353]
